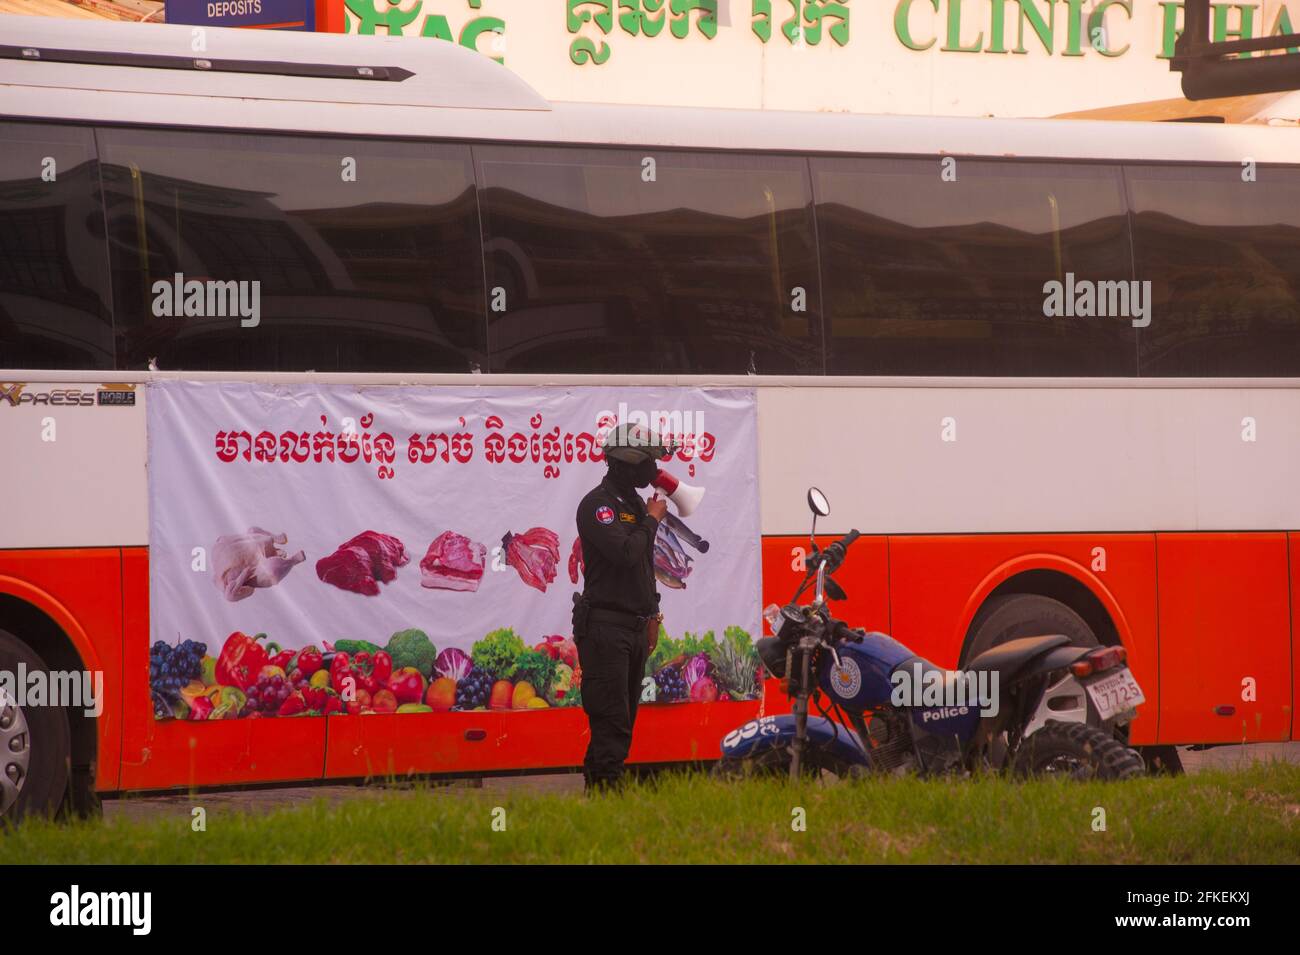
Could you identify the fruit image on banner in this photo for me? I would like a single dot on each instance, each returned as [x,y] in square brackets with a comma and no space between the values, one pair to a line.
[323,550]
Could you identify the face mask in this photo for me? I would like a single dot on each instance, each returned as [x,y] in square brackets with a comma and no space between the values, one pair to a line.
[644,472]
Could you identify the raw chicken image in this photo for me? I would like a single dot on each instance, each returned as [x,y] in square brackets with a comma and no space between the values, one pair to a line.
[241,563]
[576,564]
[535,554]
[454,562]
[362,563]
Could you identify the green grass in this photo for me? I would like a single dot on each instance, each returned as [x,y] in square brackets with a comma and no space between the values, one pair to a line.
[1251,816]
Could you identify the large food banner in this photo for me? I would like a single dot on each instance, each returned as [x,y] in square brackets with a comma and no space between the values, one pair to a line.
[332,549]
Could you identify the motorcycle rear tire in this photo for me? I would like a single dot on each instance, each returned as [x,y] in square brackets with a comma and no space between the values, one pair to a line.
[1083,752]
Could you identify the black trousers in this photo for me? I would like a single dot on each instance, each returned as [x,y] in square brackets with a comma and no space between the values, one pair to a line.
[613,666]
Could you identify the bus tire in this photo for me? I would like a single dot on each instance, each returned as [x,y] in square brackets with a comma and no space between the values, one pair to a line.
[1161,760]
[1011,616]
[83,800]
[35,744]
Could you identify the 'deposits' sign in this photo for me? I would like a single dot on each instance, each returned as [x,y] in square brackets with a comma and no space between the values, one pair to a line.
[292,14]
[949,57]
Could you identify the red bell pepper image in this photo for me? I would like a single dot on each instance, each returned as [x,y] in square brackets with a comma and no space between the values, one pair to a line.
[277,657]
[240,660]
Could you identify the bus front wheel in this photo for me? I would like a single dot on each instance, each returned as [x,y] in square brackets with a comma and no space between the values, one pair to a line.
[35,741]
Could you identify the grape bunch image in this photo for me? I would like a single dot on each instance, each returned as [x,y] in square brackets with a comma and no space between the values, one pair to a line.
[170,669]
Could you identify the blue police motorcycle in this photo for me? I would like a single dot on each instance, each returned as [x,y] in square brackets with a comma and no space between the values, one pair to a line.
[1030,706]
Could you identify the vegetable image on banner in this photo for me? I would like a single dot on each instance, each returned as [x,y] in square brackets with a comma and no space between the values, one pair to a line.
[335,549]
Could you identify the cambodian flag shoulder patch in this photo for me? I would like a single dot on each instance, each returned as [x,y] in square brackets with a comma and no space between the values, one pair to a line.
[605,514]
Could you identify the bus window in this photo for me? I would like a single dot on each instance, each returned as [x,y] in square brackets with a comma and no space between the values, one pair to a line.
[1223,257]
[648,261]
[365,254]
[929,275]
[53,273]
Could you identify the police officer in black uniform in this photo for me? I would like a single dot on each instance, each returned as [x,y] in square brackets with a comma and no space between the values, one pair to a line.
[616,620]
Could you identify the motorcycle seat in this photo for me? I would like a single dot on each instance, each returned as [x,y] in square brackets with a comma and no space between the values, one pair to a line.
[1009,658]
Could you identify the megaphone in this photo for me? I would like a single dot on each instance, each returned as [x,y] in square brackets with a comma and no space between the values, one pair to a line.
[685,497]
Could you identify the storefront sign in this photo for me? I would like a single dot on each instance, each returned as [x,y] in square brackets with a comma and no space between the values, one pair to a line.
[291,14]
[958,57]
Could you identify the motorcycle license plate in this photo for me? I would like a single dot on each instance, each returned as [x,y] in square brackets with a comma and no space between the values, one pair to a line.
[1115,693]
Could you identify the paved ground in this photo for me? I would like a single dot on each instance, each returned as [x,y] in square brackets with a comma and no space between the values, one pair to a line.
[135,807]
[143,807]
[1235,757]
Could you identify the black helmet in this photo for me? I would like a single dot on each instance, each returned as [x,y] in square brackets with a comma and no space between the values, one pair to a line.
[632,444]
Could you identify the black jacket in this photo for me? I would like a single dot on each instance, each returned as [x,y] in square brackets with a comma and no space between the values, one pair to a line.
[618,539]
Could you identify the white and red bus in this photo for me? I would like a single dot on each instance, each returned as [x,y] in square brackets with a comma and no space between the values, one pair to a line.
[880,282]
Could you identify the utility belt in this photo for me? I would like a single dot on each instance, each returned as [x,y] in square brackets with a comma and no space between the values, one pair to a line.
[619,618]
[584,614]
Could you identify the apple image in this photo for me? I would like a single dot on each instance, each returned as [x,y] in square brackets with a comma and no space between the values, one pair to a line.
[502,695]
[407,684]
[442,694]
[384,702]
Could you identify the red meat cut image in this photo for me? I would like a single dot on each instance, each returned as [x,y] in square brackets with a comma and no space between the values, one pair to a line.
[577,565]
[454,562]
[534,554]
[361,564]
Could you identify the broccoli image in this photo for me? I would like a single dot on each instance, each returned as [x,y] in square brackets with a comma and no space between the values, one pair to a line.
[412,648]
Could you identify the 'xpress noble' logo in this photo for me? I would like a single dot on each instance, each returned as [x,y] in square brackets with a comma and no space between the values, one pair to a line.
[103,908]
[209,299]
[13,395]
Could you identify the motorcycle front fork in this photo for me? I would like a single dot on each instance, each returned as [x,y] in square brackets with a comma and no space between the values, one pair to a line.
[800,720]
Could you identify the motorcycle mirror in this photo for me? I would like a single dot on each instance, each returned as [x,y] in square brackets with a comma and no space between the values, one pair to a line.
[817,502]
[834,590]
